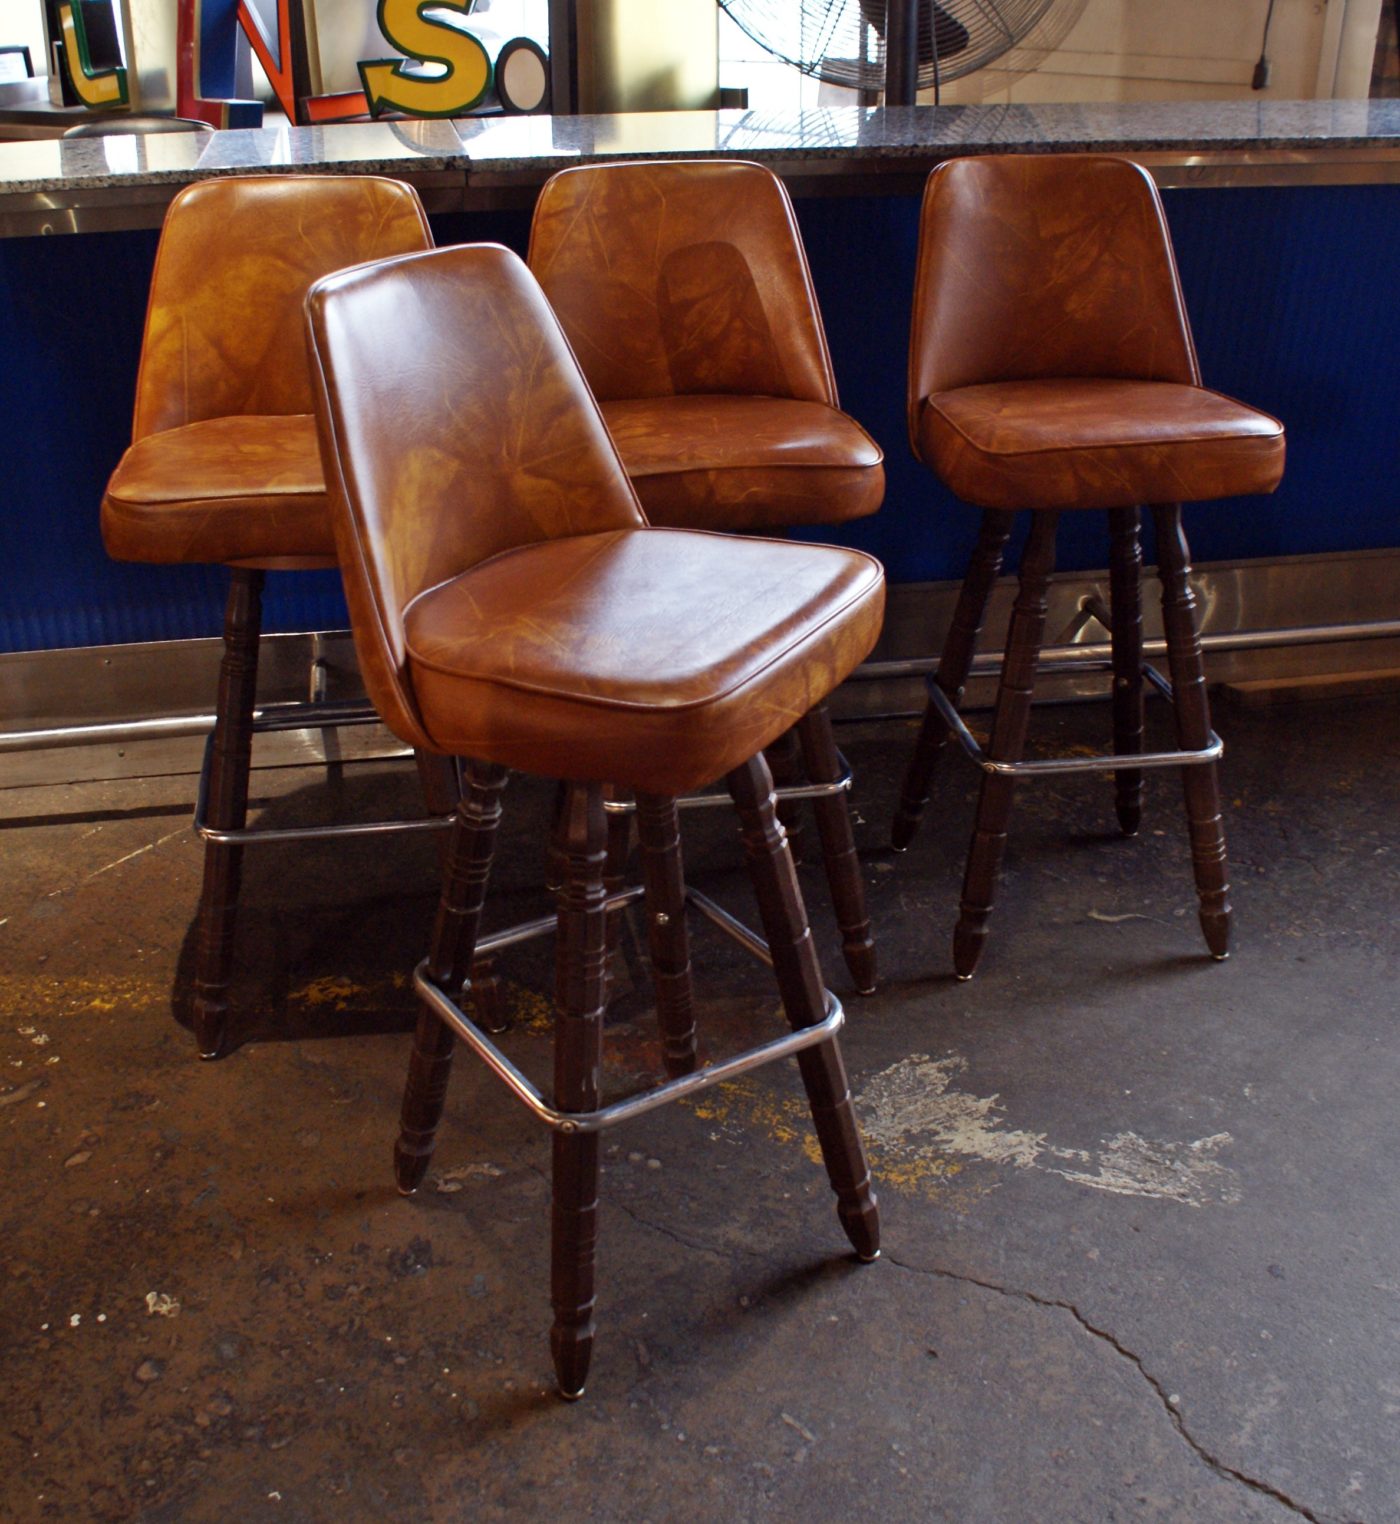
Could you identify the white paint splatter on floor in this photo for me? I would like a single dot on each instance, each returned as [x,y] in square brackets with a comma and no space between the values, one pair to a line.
[914,1106]
[913,1103]
[1129,1165]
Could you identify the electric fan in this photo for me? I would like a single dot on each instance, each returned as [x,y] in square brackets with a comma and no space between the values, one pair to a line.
[843,41]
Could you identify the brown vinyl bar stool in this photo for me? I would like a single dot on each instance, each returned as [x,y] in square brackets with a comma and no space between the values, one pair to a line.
[1051,367]
[684,290]
[511,604]
[224,465]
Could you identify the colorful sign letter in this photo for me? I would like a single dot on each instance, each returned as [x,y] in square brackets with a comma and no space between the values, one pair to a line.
[95,86]
[208,35]
[390,87]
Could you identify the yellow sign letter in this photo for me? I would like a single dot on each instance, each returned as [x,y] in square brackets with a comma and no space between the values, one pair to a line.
[104,87]
[390,87]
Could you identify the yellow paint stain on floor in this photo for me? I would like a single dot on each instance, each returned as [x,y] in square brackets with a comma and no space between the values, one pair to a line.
[529,1010]
[333,990]
[744,1105]
[342,993]
[55,996]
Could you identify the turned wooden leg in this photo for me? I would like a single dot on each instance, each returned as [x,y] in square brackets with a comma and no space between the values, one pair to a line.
[614,881]
[439,780]
[554,864]
[804,1000]
[1007,743]
[833,814]
[619,848]
[1192,709]
[954,664]
[449,957]
[1125,588]
[658,828]
[580,1004]
[784,763]
[227,808]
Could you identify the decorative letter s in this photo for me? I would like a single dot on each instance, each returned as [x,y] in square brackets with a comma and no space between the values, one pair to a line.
[388,85]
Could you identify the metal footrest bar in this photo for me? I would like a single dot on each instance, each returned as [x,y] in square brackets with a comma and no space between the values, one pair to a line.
[543,925]
[447,1009]
[1059,668]
[1091,606]
[1103,763]
[839,785]
[292,715]
[317,714]
[247,834]
[734,928]
[986,663]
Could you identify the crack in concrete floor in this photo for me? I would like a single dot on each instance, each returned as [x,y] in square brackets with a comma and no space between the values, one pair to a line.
[1135,1360]
[1215,1464]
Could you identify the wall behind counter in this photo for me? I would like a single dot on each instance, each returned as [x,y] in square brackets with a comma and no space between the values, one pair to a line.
[1291,292]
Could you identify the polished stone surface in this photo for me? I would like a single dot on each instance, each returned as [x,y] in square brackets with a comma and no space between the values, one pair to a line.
[929,133]
[53,164]
[849,138]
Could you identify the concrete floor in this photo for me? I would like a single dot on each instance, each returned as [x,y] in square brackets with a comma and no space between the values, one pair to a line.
[1141,1214]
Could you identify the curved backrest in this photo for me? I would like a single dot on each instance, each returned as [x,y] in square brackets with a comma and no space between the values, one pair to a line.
[454,425]
[1041,265]
[678,279]
[224,331]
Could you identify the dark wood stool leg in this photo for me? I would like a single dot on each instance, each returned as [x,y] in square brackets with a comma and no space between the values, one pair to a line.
[1125,589]
[554,864]
[658,827]
[839,849]
[1007,743]
[786,769]
[619,849]
[953,667]
[1193,727]
[449,957]
[441,785]
[227,807]
[578,1059]
[614,881]
[799,981]
[441,781]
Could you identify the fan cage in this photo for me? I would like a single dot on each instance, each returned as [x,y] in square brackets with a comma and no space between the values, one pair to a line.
[842,41]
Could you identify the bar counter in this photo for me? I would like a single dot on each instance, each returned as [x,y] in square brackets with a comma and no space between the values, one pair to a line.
[1284,216]
[90,184]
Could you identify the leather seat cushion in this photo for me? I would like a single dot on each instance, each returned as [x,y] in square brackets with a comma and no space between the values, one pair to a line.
[244,489]
[737,462]
[655,659]
[1095,443]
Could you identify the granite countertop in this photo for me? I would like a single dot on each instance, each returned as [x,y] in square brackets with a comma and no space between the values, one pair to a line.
[849,139]
[901,134]
[177,158]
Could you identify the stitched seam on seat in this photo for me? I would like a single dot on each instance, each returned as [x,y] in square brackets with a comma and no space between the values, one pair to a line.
[601,701]
[826,406]
[314,497]
[678,472]
[1078,449]
[1128,446]
[627,529]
